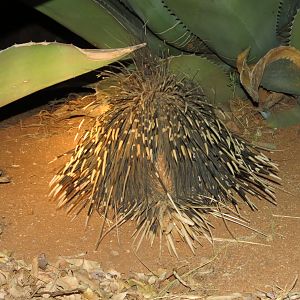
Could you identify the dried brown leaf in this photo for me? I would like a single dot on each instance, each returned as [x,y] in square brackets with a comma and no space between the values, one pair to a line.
[85,264]
[68,282]
[16,291]
[4,257]
[35,267]
[3,278]
[120,296]
[251,76]
[90,295]
[234,296]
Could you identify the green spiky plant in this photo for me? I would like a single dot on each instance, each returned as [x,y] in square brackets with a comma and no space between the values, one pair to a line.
[202,38]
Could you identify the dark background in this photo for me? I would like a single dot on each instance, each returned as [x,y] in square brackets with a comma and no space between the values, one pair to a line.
[21,23]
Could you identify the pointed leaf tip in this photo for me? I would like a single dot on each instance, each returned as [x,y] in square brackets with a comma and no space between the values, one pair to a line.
[29,67]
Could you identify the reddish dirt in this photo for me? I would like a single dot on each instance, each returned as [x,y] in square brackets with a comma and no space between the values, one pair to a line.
[31,224]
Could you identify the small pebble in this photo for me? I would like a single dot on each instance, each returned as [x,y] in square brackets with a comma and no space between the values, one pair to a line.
[42,261]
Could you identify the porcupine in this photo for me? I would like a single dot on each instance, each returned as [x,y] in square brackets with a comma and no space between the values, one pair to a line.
[162,157]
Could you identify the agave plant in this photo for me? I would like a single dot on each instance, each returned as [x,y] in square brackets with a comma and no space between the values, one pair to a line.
[203,40]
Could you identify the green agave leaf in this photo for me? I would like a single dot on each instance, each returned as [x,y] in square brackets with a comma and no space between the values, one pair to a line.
[285,118]
[285,17]
[295,32]
[167,26]
[230,26]
[137,28]
[214,81]
[104,24]
[30,67]
[277,71]
[88,19]
[282,76]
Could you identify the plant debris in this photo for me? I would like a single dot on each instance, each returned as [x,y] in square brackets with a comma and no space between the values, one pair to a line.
[3,177]
[78,278]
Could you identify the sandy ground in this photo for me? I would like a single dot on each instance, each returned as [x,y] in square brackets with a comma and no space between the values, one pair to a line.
[30,224]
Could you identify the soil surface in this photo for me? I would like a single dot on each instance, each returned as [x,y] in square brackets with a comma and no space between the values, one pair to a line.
[30,224]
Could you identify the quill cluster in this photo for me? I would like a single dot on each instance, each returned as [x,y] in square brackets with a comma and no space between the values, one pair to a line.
[162,157]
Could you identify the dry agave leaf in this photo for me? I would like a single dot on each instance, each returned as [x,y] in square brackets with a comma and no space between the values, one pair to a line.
[251,76]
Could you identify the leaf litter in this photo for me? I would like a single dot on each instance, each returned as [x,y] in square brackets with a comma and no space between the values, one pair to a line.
[76,278]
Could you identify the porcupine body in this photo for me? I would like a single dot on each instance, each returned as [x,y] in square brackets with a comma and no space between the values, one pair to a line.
[161,156]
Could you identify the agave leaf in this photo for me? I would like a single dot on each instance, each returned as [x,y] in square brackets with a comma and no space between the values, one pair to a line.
[136,27]
[89,20]
[278,70]
[230,26]
[30,67]
[167,26]
[103,23]
[212,78]
[295,32]
[285,118]
[283,76]
[286,13]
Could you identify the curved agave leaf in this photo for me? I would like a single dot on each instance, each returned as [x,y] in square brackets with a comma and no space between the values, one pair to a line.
[103,23]
[136,27]
[230,26]
[89,20]
[167,26]
[286,14]
[213,79]
[295,32]
[283,76]
[278,71]
[30,67]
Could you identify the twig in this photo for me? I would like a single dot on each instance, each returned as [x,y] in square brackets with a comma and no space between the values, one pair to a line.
[167,288]
[59,293]
[140,260]
[240,241]
[176,275]
[289,217]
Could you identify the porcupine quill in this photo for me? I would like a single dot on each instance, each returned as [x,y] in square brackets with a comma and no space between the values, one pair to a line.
[160,156]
